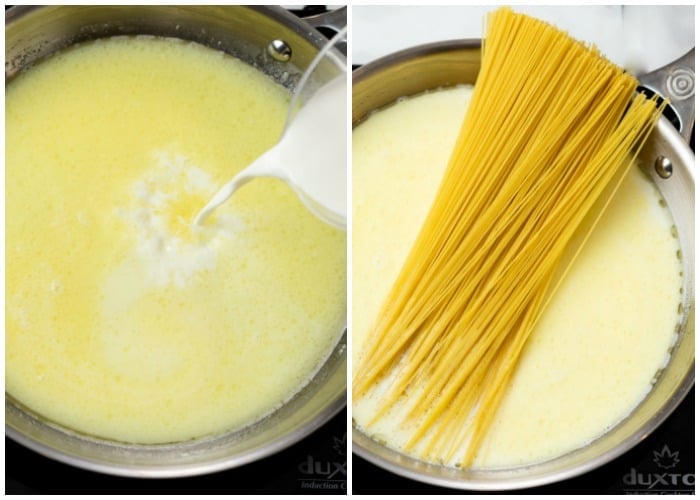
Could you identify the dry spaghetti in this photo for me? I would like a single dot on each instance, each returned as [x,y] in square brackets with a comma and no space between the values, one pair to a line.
[551,130]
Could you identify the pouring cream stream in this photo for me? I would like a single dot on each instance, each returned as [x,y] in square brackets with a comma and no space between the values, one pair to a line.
[311,153]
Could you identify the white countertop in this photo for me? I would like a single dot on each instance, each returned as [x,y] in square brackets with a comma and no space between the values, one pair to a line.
[640,38]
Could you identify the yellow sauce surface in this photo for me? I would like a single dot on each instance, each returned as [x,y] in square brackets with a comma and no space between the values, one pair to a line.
[607,331]
[121,320]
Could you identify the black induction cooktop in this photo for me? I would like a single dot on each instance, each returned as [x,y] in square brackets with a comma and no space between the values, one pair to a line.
[316,464]
[664,463]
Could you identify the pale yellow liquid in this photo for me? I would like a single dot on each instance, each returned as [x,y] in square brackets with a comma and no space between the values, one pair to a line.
[121,321]
[606,333]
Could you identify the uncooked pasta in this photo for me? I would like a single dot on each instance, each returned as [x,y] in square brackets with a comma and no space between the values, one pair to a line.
[550,132]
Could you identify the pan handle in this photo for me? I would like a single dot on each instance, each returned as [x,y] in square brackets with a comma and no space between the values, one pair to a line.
[676,81]
[334,20]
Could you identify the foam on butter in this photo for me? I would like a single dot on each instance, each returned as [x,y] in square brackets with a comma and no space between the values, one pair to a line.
[158,212]
[121,320]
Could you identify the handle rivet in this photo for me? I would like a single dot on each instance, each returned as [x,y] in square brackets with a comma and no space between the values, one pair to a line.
[279,50]
[663,167]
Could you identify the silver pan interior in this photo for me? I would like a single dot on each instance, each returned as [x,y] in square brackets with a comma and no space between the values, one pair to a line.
[32,33]
[449,63]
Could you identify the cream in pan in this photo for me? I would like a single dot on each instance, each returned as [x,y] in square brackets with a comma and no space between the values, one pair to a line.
[121,320]
[597,349]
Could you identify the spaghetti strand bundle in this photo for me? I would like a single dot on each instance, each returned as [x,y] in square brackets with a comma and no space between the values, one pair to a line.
[550,132]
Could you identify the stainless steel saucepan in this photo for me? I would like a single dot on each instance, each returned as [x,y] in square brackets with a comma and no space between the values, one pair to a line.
[278,44]
[669,162]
